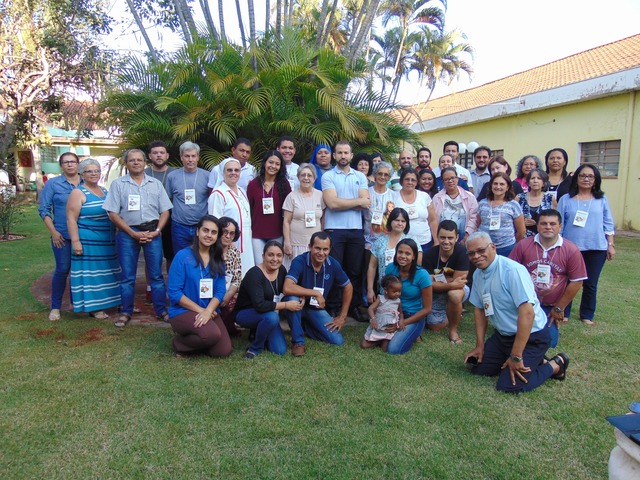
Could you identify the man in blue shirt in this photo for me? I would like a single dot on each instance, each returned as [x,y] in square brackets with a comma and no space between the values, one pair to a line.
[503,293]
[312,275]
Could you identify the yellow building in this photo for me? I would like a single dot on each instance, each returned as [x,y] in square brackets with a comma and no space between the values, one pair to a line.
[586,103]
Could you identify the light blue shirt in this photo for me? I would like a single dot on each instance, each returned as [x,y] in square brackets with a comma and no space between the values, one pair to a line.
[153,199]
[510,285]
[53,202]
[599,222]
[347,185]
[479,181]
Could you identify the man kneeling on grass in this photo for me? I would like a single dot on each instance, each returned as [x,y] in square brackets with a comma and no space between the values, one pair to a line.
[503,293]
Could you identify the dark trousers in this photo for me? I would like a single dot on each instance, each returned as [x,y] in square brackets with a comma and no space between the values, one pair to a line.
[347,246]
[211,338]
[498,348]
[594,260]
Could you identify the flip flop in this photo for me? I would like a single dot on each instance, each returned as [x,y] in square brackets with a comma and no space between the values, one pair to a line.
[163,317]
[455,341]
[101,315]
[588,322]
[122,320]
[54,315]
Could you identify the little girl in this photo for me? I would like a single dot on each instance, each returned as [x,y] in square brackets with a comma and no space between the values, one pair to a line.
[385,311]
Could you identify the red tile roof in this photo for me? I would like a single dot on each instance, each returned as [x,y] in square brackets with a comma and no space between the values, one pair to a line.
[599,61]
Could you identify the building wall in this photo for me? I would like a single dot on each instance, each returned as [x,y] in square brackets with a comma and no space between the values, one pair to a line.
[609,118]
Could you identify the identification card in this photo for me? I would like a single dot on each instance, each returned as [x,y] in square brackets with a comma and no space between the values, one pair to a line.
[376,217]
[277,298]
[413,213]
[228,276]
[440,277]
[206,288]
[494,222]
[389,253]
[267,206]
[487,304]
[313,301]
[543,274]
[580,219]
[189,196]
[310,218]
[133,203]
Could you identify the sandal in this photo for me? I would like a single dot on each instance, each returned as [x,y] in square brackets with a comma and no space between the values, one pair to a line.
[163,317]
[562,360]
[54,315]
[455,341]
[101,315]
[588,322]
[122,320]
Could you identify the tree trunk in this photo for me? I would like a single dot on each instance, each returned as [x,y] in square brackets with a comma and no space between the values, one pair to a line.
[330,22]
[355,27]
[143,31]
[278,18]
[397,64]
[241,25]
[223,35]
[323,17]
[252,22]
[267,16]
[204,4]
[365,31]
[188,18]
[183,23]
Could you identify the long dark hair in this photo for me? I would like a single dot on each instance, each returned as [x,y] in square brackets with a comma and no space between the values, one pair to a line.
[395,213]
[216,262]
[564,155]
[414,264]
[509,194]
[595,189]
[281,182]
[434,188]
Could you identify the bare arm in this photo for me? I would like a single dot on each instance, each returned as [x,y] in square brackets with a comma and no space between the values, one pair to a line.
[332,200]
[74,204]
[481,331]
[292,288]
[433,223]
[521,231]
[371,277]
[286,232]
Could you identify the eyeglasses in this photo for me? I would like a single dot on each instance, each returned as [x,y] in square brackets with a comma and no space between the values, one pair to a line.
[92,172]
[228,233]
[383,175]
[480,251]
[583,176]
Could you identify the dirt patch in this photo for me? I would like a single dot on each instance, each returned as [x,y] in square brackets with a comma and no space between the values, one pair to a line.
[11,236]
[92,335]
[29,316]
[45,333]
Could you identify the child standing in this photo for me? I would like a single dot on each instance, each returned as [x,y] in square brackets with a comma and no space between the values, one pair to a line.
[384,311]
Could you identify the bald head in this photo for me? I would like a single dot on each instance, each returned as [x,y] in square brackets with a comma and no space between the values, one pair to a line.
[406,159]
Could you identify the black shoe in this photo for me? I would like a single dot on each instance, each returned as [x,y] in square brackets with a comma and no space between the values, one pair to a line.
[356,314]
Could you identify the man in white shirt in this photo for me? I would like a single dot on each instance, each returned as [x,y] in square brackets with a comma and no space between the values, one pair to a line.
[287,147]
[451,148]
[240,150]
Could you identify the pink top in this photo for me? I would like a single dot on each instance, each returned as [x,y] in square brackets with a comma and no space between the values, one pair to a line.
[523,184]
[469,203]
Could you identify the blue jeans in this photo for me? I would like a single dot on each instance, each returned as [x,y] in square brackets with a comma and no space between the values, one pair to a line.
[181,235]
[553,328]
[594,260]
[128,253]
[311,322]
[347,246]
[269,335]
[505,251]
[61,273]
[403,339]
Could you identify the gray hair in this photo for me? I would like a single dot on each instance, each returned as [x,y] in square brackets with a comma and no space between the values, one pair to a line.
[134,150]
[539,164]
[479,236]
[89,161]
[309,167]
[188,146]
[380,165]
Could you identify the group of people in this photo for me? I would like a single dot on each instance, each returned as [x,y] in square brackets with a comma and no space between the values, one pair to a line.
[316,241]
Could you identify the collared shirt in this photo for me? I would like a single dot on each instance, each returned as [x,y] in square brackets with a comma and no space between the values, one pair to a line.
[153,199]
[247,173]
[53,202]
[292,175]
[599,222]
[179,181]
[565,265]
[479,180]
[304,274]
[461,171]
[509,285]
[347,185]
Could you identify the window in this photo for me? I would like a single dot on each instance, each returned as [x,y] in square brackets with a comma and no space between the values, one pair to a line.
[497,153]
[604,155]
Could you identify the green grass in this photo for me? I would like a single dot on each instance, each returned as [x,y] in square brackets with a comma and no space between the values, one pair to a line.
[81,400]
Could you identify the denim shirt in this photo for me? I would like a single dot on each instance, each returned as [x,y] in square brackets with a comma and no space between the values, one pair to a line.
[53,202]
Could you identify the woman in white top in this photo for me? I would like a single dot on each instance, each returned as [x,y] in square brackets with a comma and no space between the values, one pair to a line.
[382,202]
[230,200]
[424,222]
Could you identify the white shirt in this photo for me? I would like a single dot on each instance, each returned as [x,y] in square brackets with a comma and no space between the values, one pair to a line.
[247,173]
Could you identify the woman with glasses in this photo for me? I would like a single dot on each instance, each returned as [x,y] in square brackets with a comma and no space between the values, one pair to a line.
[536,199]
[382,202]
[94,263]
[456,204]
[229,233]
[588,222]
[303,214]
[53,211]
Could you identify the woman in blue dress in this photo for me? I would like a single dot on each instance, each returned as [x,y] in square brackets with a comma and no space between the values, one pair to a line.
[94,264]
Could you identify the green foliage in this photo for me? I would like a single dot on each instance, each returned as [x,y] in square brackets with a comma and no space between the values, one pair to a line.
[212,94]
[10,212]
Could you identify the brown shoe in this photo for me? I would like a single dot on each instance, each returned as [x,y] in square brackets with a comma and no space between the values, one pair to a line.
[298,350]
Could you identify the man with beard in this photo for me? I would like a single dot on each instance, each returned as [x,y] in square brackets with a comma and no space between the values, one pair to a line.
[481,175]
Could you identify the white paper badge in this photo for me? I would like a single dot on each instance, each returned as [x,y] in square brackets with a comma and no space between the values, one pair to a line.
[376,217]
[228,276]
[543,274]
[494,222]
[413,213]
[277,298]
[487,304]
[440,277]
[389,253]
[189,196]
[267,206]
[310,218]
[580,219]
[206,288]
[313,301]
[133,203]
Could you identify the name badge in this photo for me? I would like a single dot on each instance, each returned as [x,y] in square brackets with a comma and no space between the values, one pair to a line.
[310,218]
[543,274]
[277,298]
[267,206]
[440,277]
[487,304]
[206,288]
[389,253]
[189,196]
[413,213]
[228,276]
[376,217]
[133,203]
[580,219]
[313,301]
[494,222]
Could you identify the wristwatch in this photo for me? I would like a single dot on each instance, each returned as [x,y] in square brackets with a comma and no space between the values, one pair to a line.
[516,359]
[558,309]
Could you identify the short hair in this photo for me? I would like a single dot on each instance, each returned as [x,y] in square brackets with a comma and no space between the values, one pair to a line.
[448,225]
[241,141]
[307,166]
[133,150]
[448,169]
[225,222]
[395,213]
[344,143]
[480,148]
[520,163]
[188,146]
[361,156]
[389,280]
[272,243]
[550,212]
[157,144]
[595,189]
[543,176]
[479,235]
[406,172]
[62,155]
[449,143]
[322,235]
[502,161]
[424,149]
[285,138]
[382,164]
[377,155]
[509,194]
[88,161]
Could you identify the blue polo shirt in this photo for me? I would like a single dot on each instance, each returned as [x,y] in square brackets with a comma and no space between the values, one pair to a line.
[347,185]
[303,273]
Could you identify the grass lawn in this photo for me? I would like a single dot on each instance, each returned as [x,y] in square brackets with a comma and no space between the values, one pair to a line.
[81,400]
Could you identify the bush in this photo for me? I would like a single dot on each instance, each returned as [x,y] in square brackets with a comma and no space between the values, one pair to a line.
[10,211]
